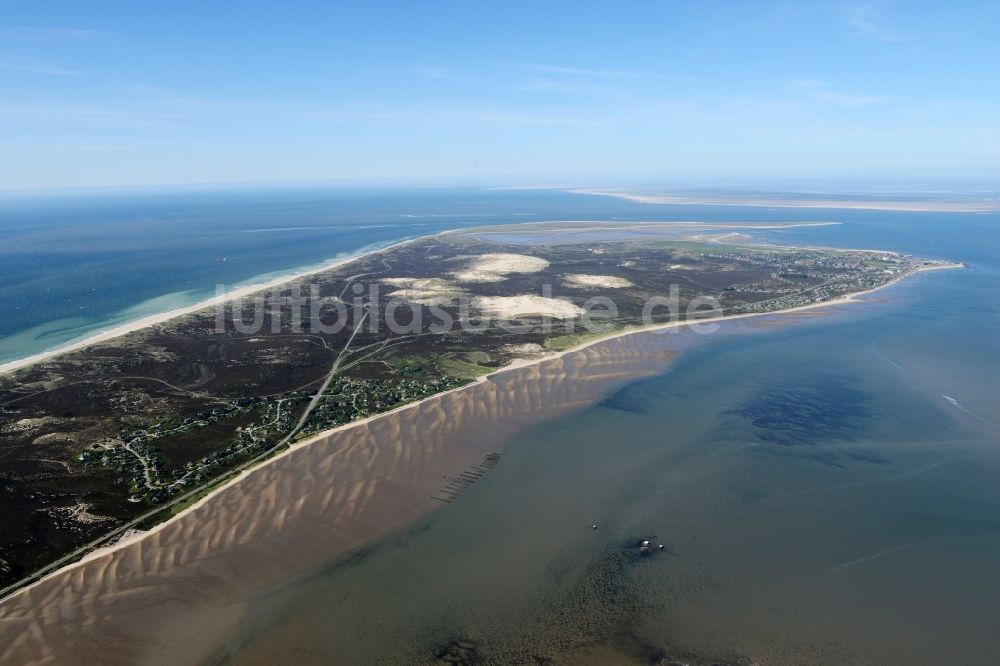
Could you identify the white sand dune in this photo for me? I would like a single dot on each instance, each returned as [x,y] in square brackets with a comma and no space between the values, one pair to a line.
[591,281]
[527,305]
[496,267]
[424,291]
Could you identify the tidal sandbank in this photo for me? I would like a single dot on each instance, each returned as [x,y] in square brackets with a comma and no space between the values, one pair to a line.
[905,205]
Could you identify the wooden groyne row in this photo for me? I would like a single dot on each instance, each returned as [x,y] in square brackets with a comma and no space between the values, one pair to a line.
[458,484]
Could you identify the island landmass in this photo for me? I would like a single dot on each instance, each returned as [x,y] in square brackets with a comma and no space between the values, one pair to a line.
[109,439]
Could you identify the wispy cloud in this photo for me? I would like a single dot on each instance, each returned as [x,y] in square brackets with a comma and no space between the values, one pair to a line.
[867,20]
[455,115]
[431,72]
[52,70]
[183,103]
[553,86]
[818,90]
[420,70]
[34,32]
[57,149]
[576,71]
[90,116]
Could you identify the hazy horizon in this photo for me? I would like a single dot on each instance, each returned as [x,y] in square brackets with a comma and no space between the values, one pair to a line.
[986,184]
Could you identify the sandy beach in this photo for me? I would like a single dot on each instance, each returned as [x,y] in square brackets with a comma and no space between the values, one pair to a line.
[159,318]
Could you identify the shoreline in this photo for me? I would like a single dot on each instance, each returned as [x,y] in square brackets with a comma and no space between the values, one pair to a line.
[161,317]
[362,423]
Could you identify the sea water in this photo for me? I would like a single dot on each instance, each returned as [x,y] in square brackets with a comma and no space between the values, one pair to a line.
[824,488]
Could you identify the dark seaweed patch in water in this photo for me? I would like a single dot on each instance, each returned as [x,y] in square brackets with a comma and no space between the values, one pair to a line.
[461,652]
[623,401]
[596,606]
[642,397]
[808,412]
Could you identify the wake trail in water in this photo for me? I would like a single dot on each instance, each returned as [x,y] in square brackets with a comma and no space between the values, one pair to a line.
[906,546]
[870,482]
[894,549]
[882,357]
[952,401]
[957,405]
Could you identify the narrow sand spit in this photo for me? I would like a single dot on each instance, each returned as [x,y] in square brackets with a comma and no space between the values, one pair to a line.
[943,206]
[591,281]
[496,267]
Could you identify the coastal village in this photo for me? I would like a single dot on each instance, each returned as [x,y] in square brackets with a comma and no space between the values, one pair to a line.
[845,272]
[140,462]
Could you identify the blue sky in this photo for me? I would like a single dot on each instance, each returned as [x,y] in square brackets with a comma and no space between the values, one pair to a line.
[125,93]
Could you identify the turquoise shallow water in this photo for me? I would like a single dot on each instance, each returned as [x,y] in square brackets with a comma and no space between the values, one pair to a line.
[824,488]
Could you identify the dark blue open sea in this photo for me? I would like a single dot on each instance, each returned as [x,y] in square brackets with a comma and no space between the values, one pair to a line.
[825,487]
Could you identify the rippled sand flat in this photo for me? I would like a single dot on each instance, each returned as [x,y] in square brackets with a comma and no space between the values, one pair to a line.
[322,499]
